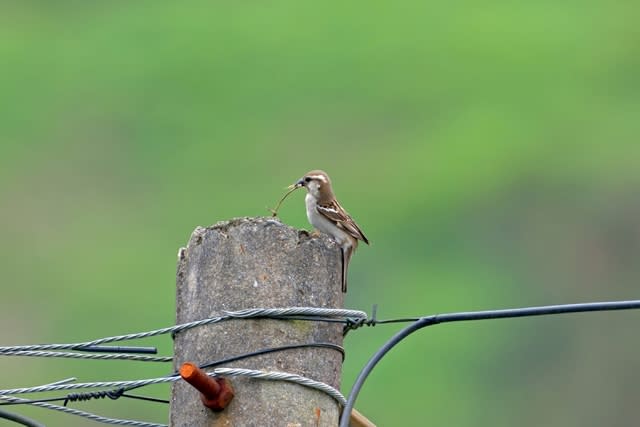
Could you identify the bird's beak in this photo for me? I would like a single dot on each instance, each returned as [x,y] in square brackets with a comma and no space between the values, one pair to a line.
[298,184]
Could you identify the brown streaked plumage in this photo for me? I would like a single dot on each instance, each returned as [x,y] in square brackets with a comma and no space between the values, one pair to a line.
[325,214]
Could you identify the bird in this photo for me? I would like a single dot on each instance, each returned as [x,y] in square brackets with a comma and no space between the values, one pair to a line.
[329,217]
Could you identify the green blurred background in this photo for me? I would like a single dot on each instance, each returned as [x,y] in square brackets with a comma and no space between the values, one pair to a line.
[489,150]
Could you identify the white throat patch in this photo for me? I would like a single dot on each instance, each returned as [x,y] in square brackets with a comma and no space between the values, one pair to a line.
[314,188]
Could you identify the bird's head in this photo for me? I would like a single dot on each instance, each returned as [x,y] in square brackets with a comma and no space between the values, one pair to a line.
[317,183]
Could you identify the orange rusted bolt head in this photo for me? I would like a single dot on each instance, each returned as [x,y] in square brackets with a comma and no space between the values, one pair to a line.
[222,399]
[216,393]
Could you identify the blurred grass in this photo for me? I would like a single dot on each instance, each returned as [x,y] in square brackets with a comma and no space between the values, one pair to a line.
[489,151]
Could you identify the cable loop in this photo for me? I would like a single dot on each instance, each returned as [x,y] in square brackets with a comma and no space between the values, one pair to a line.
[82,397]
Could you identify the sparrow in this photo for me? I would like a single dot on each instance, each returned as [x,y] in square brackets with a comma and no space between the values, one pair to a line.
[326,215]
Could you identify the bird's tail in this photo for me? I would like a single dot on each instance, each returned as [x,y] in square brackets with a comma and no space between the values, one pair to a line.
[347,251]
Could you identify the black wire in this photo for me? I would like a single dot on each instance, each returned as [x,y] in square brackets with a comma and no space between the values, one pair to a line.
[111,394]
[19,419]
[471,315]
[340,349]
[398,320]
[116,349]
[77,397]
[148,399]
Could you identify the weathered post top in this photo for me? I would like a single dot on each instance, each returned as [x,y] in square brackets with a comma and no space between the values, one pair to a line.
[258,263]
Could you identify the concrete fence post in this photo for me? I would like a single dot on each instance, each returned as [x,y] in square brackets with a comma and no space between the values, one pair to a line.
[251,263]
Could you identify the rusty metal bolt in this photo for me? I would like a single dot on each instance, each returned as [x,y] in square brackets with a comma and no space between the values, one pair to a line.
[215,393]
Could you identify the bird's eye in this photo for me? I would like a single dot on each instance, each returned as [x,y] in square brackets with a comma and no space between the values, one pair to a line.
[307,179]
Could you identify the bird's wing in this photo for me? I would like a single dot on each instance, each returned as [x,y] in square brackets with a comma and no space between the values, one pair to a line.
[336,214]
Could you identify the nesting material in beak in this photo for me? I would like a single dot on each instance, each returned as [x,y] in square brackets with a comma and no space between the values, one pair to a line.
[291,188]
[296,185]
